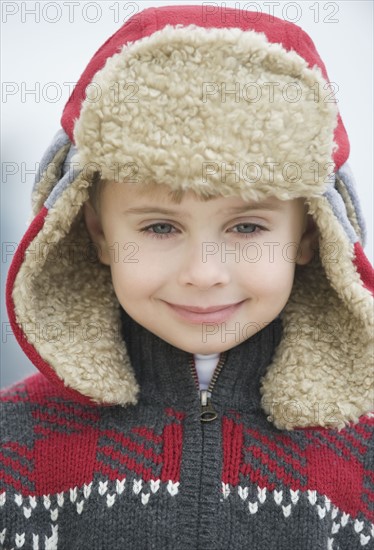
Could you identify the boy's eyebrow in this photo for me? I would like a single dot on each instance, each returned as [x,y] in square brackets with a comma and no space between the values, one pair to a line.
[265,205]
[150,210]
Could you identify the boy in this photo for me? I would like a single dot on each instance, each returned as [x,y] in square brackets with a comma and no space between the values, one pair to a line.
[194,292]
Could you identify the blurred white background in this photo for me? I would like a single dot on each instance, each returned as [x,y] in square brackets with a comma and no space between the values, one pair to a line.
[45,46]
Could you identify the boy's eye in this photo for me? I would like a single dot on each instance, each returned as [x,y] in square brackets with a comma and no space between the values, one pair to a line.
[161,228]
[246,228]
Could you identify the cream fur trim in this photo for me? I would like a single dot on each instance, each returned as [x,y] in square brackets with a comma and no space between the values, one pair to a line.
[322,369]
[151,114]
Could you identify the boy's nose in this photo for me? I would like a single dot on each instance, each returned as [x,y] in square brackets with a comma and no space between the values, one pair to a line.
[204,270]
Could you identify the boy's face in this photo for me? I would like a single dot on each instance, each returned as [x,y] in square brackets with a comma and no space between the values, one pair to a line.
[170,262]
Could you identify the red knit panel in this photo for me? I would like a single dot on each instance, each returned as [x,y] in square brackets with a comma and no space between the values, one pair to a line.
[60,439]
[331,462]
[63,461]
[172,452]
[65,446]
[324,465]
[364,267]
[143,451]
[152,20]
[232,442]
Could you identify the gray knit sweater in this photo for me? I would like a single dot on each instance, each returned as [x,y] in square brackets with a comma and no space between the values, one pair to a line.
[154,476]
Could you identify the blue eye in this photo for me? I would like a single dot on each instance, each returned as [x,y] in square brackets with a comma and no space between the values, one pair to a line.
[246,227]
[159,230]
[163,228]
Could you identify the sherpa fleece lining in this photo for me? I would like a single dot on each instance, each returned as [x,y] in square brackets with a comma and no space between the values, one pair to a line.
[322,367]
[156,109]
[321,376]
[63,294]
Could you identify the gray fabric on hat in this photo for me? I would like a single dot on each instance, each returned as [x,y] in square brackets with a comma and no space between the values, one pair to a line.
[340,212]
[59,140]
[346,176]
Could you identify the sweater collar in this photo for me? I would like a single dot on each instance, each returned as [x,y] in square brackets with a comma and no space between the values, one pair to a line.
[164,374]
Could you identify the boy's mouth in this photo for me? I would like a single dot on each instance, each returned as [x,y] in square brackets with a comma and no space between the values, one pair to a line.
[212,314]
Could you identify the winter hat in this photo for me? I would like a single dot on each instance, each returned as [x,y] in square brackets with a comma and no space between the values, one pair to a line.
[176,89]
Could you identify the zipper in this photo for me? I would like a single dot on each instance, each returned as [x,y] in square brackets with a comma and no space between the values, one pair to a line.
[207,411]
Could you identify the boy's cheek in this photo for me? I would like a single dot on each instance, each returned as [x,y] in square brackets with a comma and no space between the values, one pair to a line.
[275,279]
[117,252]
[134,281]
[270,254]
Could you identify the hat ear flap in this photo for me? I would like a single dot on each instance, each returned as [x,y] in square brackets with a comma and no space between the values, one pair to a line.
[321,373]
[55,273]
[51,168]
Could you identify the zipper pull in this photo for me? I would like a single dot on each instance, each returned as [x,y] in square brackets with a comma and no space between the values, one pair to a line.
[207,412]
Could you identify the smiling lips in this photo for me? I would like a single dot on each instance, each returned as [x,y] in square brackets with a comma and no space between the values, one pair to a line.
[214,314]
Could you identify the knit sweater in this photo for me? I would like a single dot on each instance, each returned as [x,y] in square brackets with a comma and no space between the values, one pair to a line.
[155,476]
